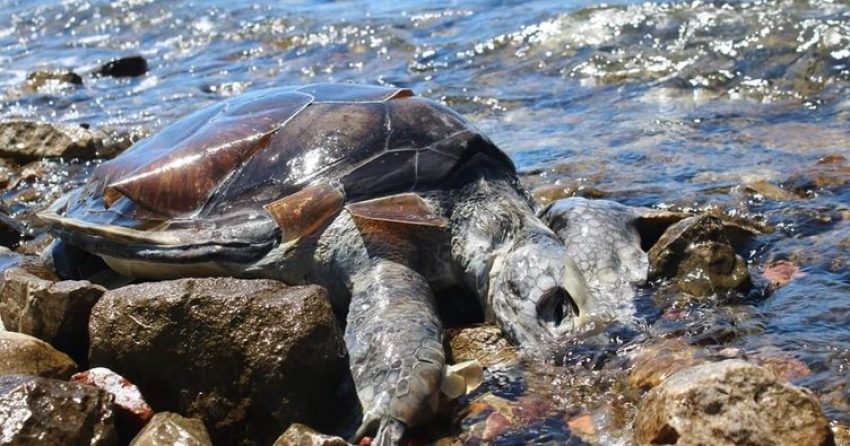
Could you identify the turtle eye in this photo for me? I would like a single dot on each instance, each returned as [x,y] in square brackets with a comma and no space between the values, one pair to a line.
[555,306]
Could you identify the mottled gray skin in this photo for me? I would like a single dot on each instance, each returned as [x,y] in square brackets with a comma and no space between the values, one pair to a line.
[604,238]
[494,246]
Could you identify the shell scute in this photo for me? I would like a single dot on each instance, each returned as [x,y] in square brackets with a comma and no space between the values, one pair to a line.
[321,142]
[176,171]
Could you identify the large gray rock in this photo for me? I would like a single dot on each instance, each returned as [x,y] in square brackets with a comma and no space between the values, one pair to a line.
[170,429]
[730,402]
[248,357]
[55,312]
[22,354]
[42,411]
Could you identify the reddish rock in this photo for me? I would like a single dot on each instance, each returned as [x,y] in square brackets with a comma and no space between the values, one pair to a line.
[780,272]
[131,409]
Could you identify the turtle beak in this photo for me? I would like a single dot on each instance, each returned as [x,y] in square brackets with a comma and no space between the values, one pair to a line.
[574,283]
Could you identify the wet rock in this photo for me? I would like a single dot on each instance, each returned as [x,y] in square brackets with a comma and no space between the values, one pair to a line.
[696,254]
[168,429]
[132,66]
[783,364]
[56,312]
[730,402]
[770,191]
[301,435]
[486,343]
[29,141]
[780,272]
[248,357]
[842,435]
[42,411]
[22,354]
[829,172]
[9,259]
[26,262]
[656,362]
[549,193]
[11,231]
[132,412]
[51,80]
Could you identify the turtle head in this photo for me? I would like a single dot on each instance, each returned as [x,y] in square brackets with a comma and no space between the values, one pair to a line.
[538,295]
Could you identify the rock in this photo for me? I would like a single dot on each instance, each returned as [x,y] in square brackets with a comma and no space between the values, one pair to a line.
[22,354]
[770,191]
[491,418]
[29,141]
[730,402]
[656,362]
[132,66]
[11,231]
[780,272]
[300,435]
[829,172]
[55,312]
[52,80]
[132,412]
[486,343]
[42,411]
[783,364]
[248,357]
[170,429]
[695,253]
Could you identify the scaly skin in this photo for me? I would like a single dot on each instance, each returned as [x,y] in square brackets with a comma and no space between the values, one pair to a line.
[602,238]
[520,270]
[394,340]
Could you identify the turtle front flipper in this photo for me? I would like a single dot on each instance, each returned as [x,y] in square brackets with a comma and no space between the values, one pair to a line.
[394,340]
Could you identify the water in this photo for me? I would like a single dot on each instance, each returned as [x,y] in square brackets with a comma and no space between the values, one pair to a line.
[686,105]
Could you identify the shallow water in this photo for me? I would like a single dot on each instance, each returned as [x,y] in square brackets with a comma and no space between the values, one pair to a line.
[684,105]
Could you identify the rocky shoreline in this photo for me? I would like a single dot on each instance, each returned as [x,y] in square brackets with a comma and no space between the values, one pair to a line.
[230,361]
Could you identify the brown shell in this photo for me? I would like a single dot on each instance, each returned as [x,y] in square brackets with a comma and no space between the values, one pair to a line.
[257,148]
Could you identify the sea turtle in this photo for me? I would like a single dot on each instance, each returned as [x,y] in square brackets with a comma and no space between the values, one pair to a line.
[383,197]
